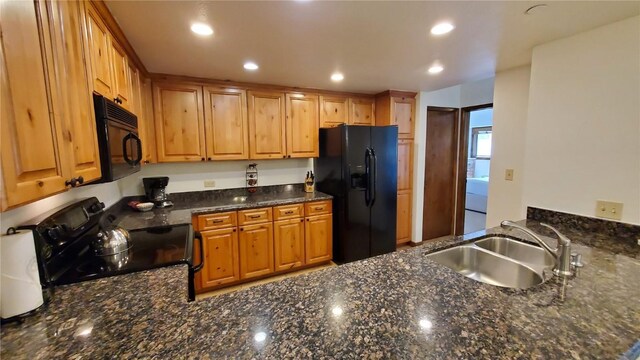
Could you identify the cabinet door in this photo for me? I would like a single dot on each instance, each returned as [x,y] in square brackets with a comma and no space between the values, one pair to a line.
[362,111]
[334,110]
[79,129]
[32,165]
[227,129]
[99,41]
[266,125]
[303,126]
[121,78]
[403,224]
[289,243]
[402,113]
[221,259]
[256,250]
[179,122]
[405,164]
[318,233]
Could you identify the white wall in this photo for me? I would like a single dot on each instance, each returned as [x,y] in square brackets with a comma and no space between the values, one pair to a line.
[583,128]
[227,174]
[510,104]
[476,93]
[183,177]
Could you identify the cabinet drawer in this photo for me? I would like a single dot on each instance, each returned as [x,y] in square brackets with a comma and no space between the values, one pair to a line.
[254,216]
[217,221]
[288,211]
[317,208]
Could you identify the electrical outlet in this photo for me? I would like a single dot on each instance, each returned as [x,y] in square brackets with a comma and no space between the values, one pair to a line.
[508,174]
[609,210]
[209,183]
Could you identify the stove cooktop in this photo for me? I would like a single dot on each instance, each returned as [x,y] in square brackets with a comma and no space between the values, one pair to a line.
[150,248]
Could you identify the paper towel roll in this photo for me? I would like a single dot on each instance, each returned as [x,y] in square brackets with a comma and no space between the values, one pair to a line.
[20,289]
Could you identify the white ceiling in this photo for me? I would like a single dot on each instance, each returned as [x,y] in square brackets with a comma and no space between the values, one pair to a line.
[377,45]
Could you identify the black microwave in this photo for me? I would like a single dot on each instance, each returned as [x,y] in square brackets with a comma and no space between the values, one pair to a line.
[118,140]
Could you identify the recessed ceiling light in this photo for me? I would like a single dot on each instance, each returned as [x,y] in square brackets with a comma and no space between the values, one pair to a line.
[251,66]
[337,77]
[442,28]
[435,69]
[201,29]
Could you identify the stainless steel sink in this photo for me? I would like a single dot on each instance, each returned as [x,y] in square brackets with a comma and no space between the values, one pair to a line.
[476,262]
[531,255]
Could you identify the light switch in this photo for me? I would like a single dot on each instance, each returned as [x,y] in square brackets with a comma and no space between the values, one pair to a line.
[609,210]
[508,174]
[209,183]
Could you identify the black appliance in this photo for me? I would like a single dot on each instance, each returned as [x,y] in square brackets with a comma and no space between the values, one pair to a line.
[63,237]
[358,165]
[156,190]
[118,140]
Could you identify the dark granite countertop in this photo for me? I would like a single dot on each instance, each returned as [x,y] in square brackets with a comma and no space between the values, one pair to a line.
[204,202]
[399,305]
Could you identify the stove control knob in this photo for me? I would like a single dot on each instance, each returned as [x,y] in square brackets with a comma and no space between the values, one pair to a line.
[95,208]
[55,233]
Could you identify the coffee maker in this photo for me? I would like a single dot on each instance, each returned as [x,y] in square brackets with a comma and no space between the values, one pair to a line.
[155,189]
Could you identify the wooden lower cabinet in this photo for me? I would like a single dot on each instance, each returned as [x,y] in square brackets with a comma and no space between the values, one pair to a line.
[318,238]
[403,224]
[289,243]
[256,250]
[221,257]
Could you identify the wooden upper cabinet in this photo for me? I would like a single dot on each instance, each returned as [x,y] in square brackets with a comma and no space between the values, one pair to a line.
[79,129]
[121,75]
[303,126]
[289,243]
[402,112]
[405,164]
[362,111]
[226,125]
[334,110]
[318,234]
[32,165]
[267,138]
[256,250]
[99,41]
[221,257]
[179,122]
[148,146]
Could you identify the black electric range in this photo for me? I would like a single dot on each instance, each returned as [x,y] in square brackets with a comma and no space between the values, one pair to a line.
[63,238]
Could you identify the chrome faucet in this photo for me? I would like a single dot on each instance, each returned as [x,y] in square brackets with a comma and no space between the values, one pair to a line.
[562,253]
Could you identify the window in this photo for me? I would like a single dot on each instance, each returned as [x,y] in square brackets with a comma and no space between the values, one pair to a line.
[481,142]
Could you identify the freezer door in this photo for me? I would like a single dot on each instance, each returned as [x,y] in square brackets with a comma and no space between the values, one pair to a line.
[384,144]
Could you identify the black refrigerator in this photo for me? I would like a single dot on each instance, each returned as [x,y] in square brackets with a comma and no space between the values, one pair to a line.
[358,165]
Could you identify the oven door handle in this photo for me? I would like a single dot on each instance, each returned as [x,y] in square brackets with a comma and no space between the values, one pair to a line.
[125,152]
[198,267]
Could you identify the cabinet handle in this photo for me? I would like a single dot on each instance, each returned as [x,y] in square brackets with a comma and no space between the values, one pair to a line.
[40,183]
[80,180]
[71,182]
[319,208]
[217,221]
[241,229]
[254,216]
[209,158]
[234,229]
[288,212]
[301,220]
[201,159]
[284,156]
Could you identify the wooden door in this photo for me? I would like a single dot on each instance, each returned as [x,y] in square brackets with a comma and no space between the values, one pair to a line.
[440,167]
[148,146]
[303,126]
[221,257]
[226,125]
[334,110]
[99,41]
[256,250]
[32,164]
[403,223]
[121,75]
[179,122]
[267,138]
[402,109]
[405,164]
[362,111]
[79,126]
[318,233]
[289,243]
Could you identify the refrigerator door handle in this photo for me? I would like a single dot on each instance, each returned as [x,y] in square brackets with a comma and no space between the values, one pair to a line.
[367,172]
[374,178]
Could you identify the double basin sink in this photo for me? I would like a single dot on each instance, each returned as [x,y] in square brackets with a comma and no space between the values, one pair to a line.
[499,261]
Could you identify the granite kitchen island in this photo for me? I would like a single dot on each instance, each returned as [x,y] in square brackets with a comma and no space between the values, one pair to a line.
[399,305]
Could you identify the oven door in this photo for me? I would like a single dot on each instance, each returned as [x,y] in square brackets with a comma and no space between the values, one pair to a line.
[125,149]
